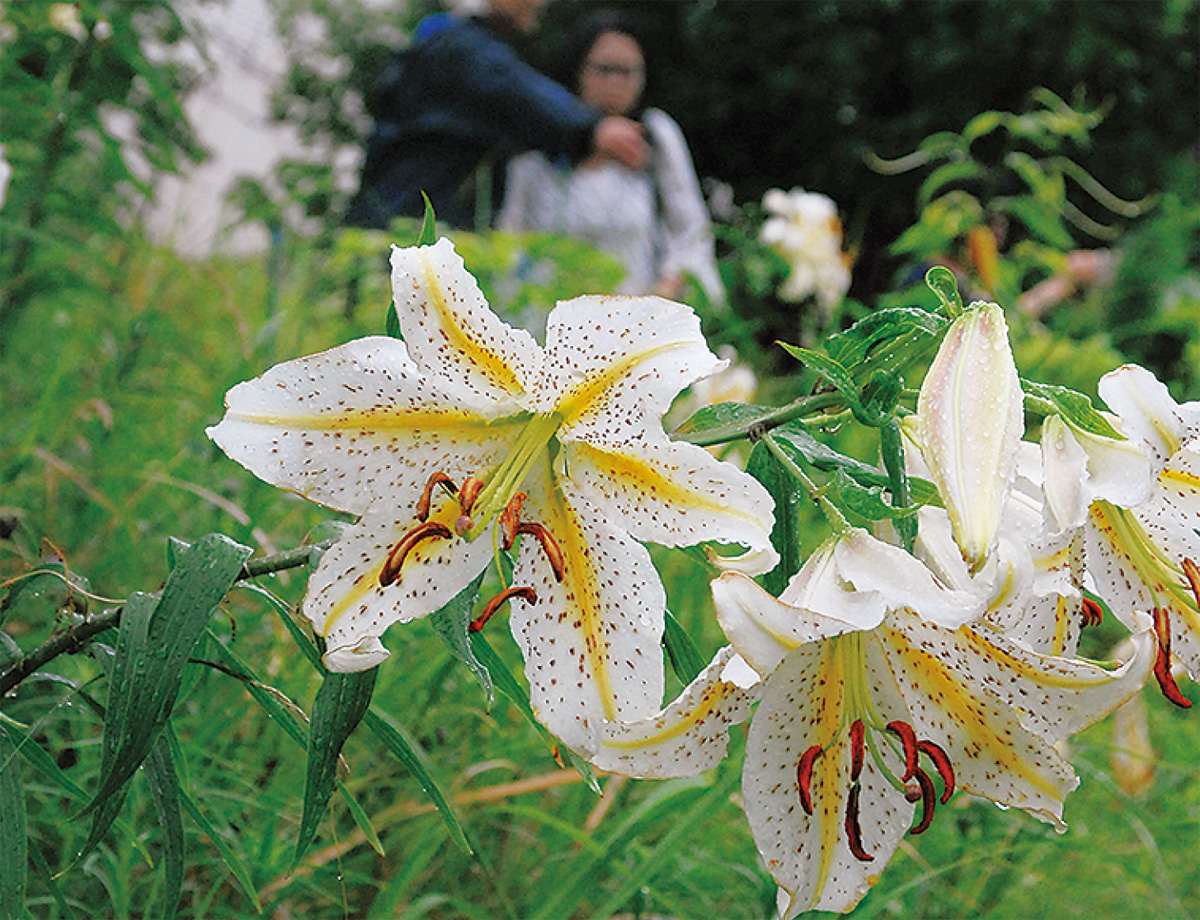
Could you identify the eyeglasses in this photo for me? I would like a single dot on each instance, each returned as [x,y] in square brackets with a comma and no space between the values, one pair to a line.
[605,69]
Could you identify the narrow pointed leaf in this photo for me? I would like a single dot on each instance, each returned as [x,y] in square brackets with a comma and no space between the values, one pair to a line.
[1075,408]
[164,787]
[231,859]
[785,535]
[429,225]
[943,283]
[832,370]
[885,338]
[268,699]
[36,756]
[147,675]
[451,622]
[720,422]
[685,657]
[339,707]
[397,740]
[13,839]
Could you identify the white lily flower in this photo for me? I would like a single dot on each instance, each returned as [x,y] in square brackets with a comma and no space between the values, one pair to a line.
[805,229]
[469,429]
[854,724]
[1144,557]
[969,424]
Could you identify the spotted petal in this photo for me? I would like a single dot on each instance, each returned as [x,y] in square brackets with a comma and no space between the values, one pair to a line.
[353,425]
[1147,411]
[454,336]
[592,641]
[349,607]
[995,708]
[613,364]
[691,734]
[672,493]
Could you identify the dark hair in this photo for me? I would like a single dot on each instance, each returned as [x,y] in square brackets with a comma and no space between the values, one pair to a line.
[584,37]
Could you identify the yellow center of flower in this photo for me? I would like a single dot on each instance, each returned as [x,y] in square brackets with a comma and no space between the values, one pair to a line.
[503,482]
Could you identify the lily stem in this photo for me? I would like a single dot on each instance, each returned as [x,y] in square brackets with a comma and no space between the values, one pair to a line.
[77,636]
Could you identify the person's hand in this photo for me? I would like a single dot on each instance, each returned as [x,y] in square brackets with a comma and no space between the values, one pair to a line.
[622,140]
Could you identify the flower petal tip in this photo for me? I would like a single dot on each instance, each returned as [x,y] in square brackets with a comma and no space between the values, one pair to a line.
[366,653]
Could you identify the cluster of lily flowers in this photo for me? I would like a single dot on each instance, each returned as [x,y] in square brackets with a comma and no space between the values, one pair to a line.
[879,683]
[803,227]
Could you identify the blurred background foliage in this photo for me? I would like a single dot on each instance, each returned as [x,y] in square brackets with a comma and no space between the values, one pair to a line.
[115,353]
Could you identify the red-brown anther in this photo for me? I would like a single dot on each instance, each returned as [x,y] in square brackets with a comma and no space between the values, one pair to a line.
[468,493]
[522,591]
[549,546]
[804,776]
[928,798]
[942,764]
[857,737]
[1191,571]
[853,830]
[1162,661]
[437,479]
[398,553]
[510,519]
[1093,613]
[908,738]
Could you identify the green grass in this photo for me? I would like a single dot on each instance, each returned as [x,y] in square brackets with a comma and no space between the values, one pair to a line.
[103,453]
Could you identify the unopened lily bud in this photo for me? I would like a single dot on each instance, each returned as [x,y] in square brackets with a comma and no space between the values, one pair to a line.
[970,419]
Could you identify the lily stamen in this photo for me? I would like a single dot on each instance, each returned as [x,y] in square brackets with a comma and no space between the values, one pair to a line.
[1191,572]
[1162,660]
[942,764]
[426,499]
[1093,613]
[857,751]
[522,591]
[549,546]
[510,519]
[398,553]
[908,738]
[804,769]
[467,495]
[853,828]
[928,798]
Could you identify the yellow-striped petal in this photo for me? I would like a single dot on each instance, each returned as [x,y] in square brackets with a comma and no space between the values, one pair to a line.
[354,425]
[691,734]
[455,337]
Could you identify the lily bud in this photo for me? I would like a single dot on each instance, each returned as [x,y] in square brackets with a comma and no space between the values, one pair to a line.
[970,419]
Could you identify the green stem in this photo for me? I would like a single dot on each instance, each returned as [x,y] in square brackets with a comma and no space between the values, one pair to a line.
[804,409]
[835,517]
[80,634]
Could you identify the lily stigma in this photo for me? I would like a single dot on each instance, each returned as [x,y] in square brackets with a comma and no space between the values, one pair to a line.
[468,439]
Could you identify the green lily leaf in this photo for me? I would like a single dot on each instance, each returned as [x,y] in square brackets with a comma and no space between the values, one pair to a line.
[685,656]
[720,422]
[159,768]
[943,283]
[153,644]
[886,339]
[1075,408]
[451,622]
[339,707]
[785,535]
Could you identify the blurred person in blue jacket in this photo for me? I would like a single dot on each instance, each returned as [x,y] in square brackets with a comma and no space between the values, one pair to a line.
[458,99]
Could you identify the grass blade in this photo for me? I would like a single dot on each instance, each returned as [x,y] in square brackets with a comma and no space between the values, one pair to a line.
[232,861]
[13,842]
[339,707]
[36,756]
[405,747]
[685,657]
[159,768]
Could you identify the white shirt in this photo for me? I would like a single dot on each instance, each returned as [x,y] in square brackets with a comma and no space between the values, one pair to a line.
[653,221]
